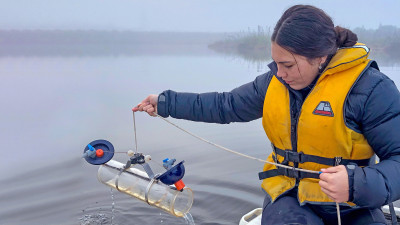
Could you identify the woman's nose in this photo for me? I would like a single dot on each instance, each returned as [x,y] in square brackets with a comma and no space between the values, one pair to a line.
[280,73]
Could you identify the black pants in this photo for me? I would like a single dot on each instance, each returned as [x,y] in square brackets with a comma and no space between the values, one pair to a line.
[286,210]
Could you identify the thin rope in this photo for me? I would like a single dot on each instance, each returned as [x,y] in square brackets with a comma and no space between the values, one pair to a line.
[235,152]
[116,152]
[134,128]
[337,204]
[249,157]
[338,214]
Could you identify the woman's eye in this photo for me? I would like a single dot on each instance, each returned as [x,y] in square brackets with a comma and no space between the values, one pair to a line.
[289,66]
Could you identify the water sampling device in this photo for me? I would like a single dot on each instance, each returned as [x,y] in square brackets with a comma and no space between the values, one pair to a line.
[154,189]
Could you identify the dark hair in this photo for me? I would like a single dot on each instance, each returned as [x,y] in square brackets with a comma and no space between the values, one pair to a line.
[308,31]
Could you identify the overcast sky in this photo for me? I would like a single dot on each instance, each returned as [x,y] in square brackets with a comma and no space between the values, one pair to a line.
[184,15]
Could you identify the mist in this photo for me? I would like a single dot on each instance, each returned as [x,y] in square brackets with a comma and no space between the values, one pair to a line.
[183,16]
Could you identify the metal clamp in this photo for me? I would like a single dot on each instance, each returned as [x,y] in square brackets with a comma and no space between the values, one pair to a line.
[146,194]
[127,166]
[117,179]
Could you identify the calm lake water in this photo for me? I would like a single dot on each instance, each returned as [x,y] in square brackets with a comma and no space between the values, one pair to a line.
[51,108]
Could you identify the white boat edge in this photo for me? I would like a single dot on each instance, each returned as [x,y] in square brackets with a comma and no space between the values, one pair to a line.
[254,217]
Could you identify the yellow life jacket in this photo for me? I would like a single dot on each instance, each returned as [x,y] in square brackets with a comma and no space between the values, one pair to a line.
[323,139]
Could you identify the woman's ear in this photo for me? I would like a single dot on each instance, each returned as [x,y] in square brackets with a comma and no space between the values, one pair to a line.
[323,59]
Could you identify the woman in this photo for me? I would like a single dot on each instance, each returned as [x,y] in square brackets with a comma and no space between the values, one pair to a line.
[325,107]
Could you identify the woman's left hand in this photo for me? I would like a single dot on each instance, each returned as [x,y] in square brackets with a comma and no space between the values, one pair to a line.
[334,182]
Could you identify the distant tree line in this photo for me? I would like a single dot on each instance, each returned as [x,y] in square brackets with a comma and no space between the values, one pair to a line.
[77,37]
[384,42]
[254,45]
[100,43]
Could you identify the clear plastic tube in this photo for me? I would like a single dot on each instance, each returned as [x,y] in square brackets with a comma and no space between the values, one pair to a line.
[136,183]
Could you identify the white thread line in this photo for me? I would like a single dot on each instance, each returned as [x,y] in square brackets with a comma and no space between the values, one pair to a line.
[234,152]
[134,128]
[338,213]
[249,157]
[337,204]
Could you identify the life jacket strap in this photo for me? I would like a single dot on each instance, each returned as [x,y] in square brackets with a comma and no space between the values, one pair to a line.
[300,157]
[286,172]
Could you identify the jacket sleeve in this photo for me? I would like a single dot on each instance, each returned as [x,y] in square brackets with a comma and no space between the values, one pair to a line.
[242,104]
[379,119]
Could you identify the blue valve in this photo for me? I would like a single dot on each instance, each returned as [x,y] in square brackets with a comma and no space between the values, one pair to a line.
[167,163]
[91,147]
[90,153]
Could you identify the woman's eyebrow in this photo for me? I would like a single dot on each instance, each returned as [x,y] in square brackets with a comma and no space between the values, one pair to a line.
[281,62]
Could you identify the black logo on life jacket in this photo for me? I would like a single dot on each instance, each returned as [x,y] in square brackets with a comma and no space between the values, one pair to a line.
[323,109]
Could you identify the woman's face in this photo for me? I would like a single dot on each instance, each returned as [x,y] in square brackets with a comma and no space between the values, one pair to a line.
[296,70]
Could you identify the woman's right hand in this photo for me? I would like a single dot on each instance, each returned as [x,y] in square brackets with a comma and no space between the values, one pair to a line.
[148,105]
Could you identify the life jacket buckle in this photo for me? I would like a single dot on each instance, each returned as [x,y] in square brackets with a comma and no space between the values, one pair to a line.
[300,157]
[291,172]
[295,157]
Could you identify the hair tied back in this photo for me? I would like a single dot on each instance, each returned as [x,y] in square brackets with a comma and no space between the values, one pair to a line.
[345,37]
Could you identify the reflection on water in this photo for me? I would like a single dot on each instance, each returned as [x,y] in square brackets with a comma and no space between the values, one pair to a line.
[98,218]
[112,206]
[189,219]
